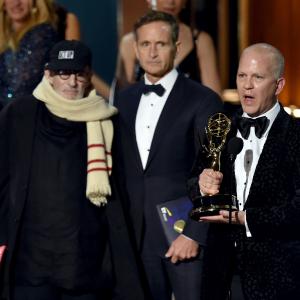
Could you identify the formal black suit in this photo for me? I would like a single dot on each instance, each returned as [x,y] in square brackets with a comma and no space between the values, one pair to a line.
[269,261]
[170,159]
[17,132]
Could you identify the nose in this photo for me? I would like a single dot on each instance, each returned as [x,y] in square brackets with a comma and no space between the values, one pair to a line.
[153,51]
[72,80]
[248,84]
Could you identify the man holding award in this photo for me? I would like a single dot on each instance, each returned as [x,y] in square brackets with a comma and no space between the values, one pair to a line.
[261,246]
[158,125]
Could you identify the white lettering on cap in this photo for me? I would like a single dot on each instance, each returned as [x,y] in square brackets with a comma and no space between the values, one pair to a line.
[67,54]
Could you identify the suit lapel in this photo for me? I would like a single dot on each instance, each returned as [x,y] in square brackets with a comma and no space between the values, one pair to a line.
[272,152]
[172,108]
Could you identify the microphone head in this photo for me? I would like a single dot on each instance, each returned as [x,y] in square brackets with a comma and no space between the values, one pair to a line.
[248,159]
[235,146]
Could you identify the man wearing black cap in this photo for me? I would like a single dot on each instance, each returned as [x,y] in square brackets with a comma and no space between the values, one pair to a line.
[56,214]
[73,69]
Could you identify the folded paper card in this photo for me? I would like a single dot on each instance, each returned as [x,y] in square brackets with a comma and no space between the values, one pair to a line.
[173,216]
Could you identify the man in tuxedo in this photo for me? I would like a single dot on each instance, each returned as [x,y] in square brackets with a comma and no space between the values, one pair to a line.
[261,248]
[158,125]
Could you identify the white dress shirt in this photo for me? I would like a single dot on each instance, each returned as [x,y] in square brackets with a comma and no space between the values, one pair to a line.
[148,113]
[246,161]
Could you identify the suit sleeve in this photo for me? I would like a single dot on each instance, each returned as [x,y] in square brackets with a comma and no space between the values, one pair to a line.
[278,221]
[211,105]
[123,251]
[128,283]
[195,230]
[281,219]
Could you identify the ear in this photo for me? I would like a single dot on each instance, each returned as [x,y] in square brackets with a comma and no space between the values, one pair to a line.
[280,85]
[177,48]
[48,76]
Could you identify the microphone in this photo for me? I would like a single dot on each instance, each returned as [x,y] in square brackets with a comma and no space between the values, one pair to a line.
[248,159]
[234,147]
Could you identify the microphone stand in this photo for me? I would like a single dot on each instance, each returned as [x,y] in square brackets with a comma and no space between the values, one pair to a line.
[235,145]
[231,158]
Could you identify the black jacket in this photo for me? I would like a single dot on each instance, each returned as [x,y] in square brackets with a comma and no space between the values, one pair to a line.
[17,129]
[269,261]
[173,149]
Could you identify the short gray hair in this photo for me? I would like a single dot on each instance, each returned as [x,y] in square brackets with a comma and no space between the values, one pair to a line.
[277,57]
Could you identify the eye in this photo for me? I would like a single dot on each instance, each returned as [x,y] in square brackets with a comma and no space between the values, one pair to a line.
[144,44]
[241,75]
[258,77]
[161,44]
[64,72]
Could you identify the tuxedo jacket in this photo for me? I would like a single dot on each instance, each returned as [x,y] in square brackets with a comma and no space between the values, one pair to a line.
[269,261]
[172,152]
[17,131]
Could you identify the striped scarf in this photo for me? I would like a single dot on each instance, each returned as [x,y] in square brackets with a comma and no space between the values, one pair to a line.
[93,110]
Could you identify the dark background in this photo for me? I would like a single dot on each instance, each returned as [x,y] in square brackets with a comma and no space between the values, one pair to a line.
[98,21]
[99,30]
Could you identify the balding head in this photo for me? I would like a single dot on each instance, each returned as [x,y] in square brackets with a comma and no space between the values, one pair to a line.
[275,56]
[259,78]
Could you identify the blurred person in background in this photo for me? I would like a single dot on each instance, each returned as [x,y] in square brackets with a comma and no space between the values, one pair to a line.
[68,27]
[28,30]
[196,58]
[27,33]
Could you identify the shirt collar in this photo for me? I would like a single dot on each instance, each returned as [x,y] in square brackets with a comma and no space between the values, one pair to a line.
[166,81]
[271,114]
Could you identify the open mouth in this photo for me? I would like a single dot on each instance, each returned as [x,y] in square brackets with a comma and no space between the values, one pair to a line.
[16,10]
[248,97]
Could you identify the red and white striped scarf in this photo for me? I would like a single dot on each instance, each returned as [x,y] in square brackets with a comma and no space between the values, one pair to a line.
[95,111]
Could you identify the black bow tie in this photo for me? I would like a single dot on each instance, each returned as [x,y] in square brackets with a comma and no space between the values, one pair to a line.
[260,124]
[158,89]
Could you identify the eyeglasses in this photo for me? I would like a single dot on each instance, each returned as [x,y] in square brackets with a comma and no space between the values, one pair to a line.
[80,76]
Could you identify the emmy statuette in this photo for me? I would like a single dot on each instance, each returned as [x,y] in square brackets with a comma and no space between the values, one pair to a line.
[216,131]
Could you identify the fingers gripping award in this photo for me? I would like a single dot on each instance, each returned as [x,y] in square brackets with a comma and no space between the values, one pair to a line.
[216,133]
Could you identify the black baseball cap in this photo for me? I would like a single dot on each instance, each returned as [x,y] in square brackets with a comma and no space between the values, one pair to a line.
[69,55]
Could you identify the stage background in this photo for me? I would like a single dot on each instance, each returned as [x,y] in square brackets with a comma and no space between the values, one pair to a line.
[98,20]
